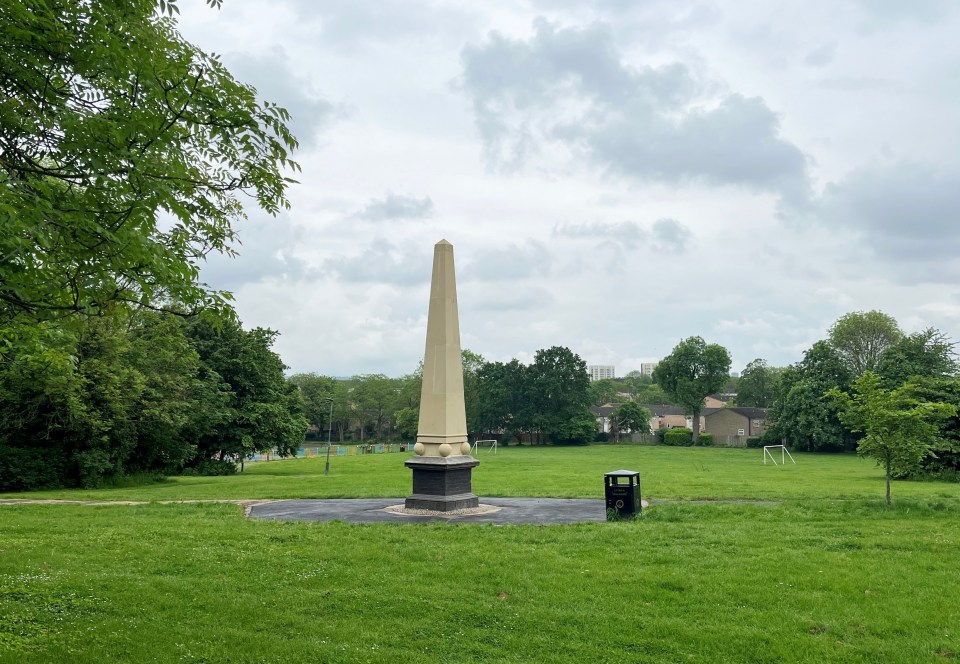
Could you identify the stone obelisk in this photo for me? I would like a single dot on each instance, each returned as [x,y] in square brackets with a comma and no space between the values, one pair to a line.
[442,466]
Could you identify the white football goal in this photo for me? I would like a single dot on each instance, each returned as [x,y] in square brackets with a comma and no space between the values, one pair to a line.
[784,454]
[491,445]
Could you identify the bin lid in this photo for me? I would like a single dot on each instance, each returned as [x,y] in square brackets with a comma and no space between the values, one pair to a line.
[622,473]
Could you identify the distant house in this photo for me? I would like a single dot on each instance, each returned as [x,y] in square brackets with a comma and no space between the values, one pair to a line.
[714,401]
[604,414]
[735,422]
[668,417]
[661,416]
[728,426]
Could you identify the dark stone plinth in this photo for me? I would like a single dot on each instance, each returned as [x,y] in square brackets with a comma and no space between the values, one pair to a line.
[442,484]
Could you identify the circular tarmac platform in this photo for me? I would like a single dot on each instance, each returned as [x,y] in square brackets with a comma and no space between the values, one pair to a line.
[545,511]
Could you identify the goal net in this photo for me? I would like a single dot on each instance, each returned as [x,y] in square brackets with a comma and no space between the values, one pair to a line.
[770,450]
[489,444]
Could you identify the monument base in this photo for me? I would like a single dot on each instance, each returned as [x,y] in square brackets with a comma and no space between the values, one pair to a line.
[442,484]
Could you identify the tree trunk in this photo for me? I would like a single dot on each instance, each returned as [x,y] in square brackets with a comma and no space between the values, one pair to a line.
[889,502]
[695,425]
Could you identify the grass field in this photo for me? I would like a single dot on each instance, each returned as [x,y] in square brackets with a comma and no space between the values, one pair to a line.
[559,472]
[826,574]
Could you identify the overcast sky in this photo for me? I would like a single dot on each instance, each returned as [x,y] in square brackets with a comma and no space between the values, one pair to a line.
[614,175]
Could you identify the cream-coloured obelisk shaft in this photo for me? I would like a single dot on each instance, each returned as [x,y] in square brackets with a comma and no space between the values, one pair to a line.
[442,430]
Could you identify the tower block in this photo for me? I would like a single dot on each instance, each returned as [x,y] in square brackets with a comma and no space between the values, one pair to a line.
[442,468]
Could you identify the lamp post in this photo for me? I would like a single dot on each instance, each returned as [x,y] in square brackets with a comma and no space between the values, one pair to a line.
[326,469]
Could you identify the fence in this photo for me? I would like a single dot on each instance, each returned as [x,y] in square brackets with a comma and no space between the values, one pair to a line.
[335,450]
[719,440]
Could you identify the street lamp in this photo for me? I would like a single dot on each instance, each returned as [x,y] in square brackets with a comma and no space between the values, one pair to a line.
[326,469]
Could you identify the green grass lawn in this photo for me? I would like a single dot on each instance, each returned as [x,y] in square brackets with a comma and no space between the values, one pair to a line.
[827,574]
[560,472]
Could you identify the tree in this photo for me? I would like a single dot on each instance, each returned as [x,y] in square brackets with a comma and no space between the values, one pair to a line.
[560,384]
[171,397]
[377,398]
[758,385]
[407,418]
[900,430]
[652,394]
[504,401]
[492,410]
[693,370]
[93,398]
[315,391]
[861,338]
[411,387]
[341,408]
[636,380]
[406,421]
[265,411]
[603,391]
[928,353]
[580,428]
[945,462]
[801,415]
[633,417]
[471,365]
[124,151]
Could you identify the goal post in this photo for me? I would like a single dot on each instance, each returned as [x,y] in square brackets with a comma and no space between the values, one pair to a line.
[491,445]
[784,454]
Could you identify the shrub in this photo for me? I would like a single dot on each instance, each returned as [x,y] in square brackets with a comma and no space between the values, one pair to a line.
[755,442]
[579,429]
[22,469]
[770,437]
[704,439]
[210,467]
[658,436]
[678,437]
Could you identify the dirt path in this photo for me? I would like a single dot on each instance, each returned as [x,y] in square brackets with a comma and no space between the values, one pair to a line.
[246,504]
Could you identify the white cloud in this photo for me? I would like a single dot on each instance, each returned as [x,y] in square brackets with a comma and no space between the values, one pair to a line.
[665,235]
[902,211]
[397,206]
[649,122]
[753,326]
[941,309]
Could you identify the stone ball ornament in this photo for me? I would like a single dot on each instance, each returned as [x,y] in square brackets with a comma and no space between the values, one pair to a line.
[445,450]
[464,448]
[419,449]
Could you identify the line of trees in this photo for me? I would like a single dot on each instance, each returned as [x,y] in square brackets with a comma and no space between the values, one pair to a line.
[868,365]
[91,399]
[364,407]
[546,401]
[867,387]
[635,386]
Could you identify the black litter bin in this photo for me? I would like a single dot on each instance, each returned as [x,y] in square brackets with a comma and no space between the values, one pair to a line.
[622,490]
